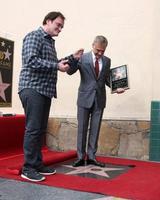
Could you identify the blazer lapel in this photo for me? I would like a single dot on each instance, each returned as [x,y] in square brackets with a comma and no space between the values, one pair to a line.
[103,67]
[91,64]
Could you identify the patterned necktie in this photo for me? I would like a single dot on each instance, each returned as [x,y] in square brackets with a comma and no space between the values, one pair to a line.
[97,67]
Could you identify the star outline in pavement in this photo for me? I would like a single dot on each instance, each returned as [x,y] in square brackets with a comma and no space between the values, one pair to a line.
[100,171]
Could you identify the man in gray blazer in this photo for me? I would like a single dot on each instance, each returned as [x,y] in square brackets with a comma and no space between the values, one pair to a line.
[94,70]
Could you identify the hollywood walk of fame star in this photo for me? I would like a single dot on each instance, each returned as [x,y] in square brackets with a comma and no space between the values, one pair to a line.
[3,87]
[7,55]
[92,169]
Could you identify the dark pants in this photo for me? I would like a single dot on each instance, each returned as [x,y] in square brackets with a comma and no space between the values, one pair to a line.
[92,117]
[36,108]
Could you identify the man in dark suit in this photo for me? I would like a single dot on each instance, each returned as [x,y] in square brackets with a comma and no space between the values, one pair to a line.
[94,70]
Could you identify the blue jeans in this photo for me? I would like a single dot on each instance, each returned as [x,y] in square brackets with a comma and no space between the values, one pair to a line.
[36,108]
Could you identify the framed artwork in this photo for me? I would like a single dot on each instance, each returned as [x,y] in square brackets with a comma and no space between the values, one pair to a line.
[6,71]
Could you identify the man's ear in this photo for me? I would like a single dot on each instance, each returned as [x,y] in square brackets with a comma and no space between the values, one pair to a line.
[48,21]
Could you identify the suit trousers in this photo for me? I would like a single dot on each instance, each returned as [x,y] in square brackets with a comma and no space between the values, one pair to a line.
[91,117]
[36,107]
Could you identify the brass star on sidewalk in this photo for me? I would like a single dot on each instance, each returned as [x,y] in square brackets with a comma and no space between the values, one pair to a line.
[92,169]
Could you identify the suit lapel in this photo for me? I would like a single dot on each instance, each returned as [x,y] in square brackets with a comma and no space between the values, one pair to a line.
[92,69]
[91,64]
[103,67]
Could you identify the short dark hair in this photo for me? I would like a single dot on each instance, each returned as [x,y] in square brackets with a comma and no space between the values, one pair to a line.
[52,16]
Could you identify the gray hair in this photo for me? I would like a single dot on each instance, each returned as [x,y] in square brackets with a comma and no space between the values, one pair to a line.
[100,39]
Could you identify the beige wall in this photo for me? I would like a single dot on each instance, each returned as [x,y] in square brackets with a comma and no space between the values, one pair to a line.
[132,28]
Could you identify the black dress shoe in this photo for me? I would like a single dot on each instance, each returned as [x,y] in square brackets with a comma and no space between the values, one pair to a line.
[78,163]
[95,162]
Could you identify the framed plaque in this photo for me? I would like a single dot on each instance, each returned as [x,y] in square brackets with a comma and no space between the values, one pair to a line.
[119,78]
[6,71]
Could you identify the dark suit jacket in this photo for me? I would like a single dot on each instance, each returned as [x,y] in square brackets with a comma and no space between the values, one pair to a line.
[90,86]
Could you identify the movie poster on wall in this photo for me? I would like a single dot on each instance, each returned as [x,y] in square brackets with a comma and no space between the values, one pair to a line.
[6,70]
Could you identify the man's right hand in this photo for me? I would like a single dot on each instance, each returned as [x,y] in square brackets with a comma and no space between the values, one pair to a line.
[63,65]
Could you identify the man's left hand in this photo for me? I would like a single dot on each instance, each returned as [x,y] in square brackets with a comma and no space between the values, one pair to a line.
[78,54]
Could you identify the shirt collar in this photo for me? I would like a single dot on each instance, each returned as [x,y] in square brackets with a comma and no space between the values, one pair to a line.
[45,34]
[94,57]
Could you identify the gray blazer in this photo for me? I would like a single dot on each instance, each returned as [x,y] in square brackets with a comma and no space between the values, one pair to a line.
[90,86]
